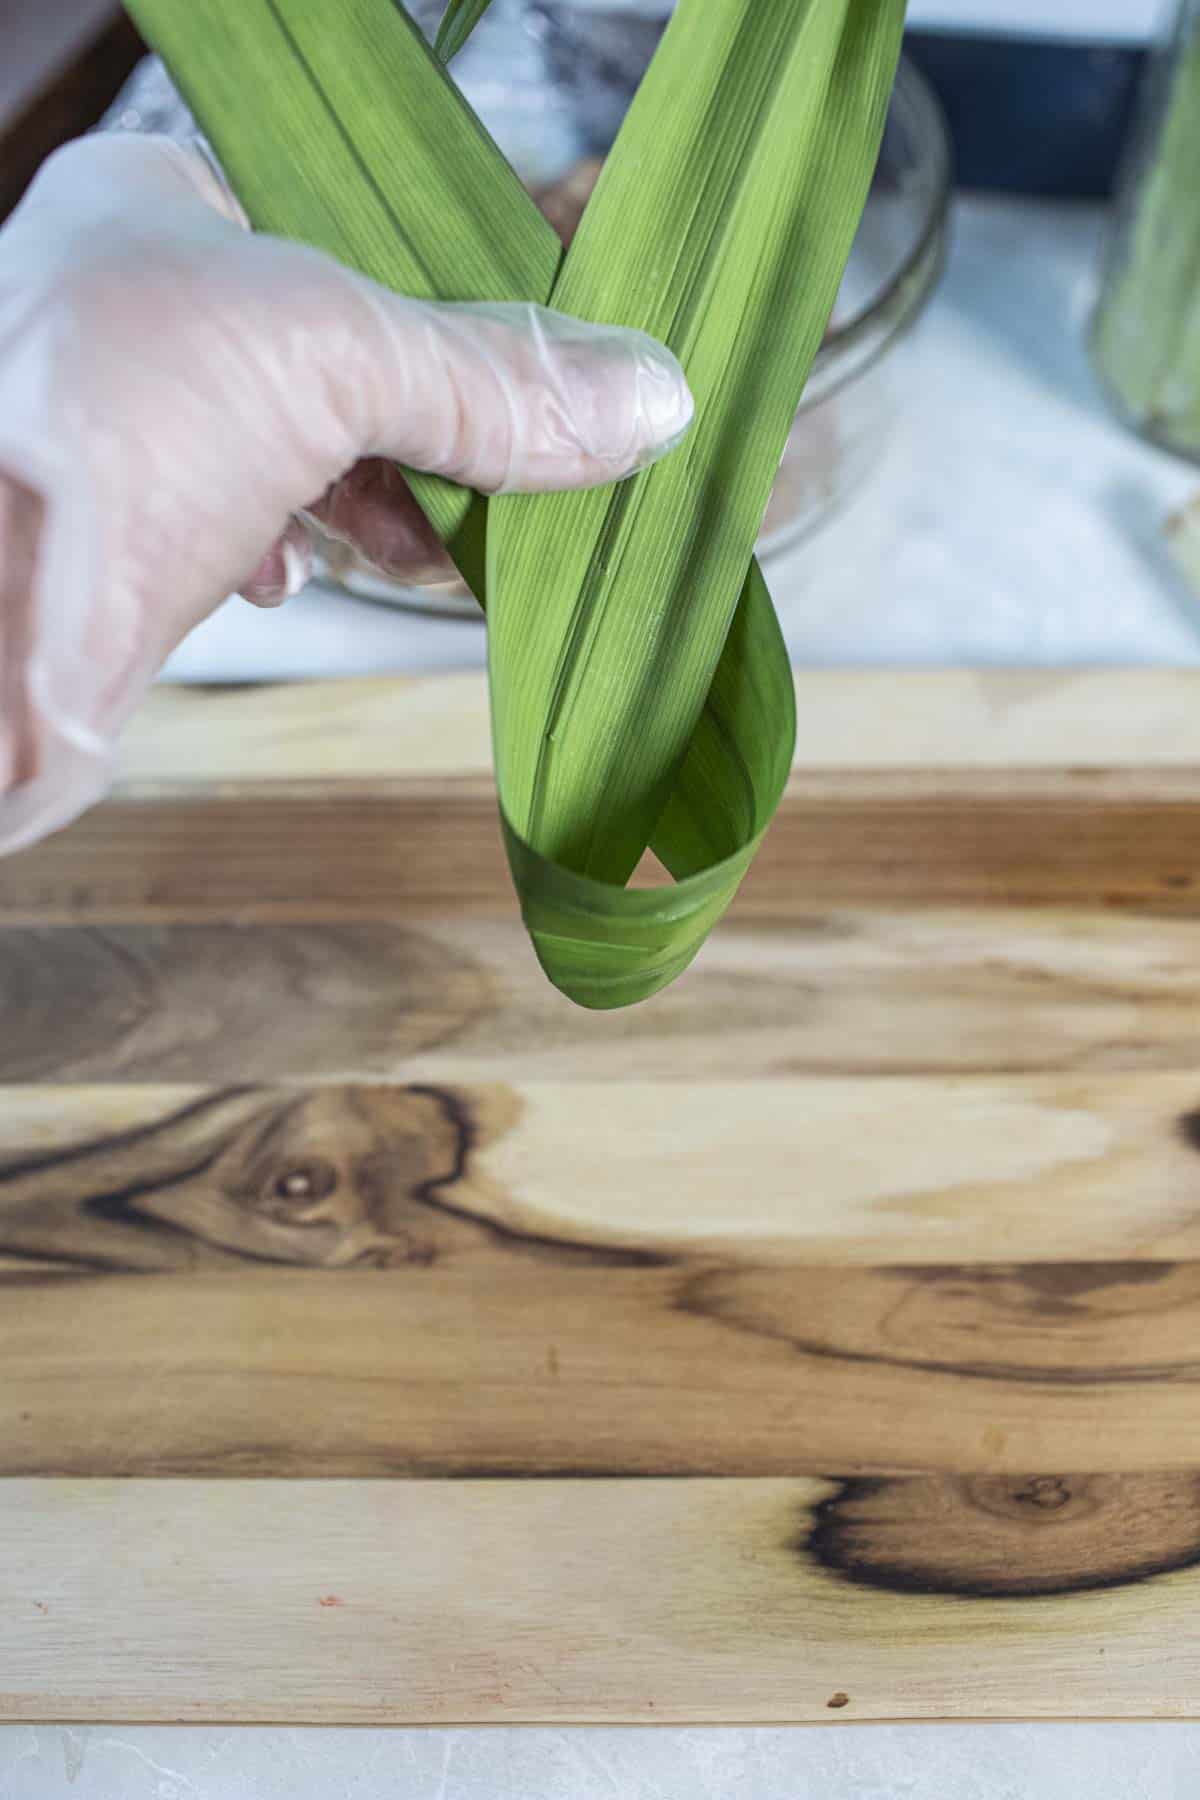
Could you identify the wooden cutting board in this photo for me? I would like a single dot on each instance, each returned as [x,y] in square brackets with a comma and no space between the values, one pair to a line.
[383,1339]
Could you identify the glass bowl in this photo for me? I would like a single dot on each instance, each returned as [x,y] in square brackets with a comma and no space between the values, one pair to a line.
[592,60]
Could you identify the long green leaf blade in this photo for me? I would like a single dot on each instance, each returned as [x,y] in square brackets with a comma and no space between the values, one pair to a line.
[336,125]
[456,25]
[314,110]
[721,224]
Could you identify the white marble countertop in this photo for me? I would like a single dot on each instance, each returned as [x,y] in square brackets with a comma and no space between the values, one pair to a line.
[1011,522]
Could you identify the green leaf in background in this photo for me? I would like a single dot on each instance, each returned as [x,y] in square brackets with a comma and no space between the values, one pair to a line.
[1146,332]
[641,692]
[457,23]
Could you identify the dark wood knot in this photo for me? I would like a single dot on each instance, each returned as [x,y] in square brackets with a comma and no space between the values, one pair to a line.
[297,1187]
[983,1536]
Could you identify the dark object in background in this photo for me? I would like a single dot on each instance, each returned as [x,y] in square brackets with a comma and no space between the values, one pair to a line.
[598,58]
[72,78]
[1026,116]
[1032,116]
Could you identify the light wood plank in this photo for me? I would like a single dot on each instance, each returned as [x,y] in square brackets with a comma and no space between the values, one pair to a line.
[372,800]
[567,1601]
[424,848]
[852,1171]
[547,1369]
[860,719]
[849,992]
[879,1233]
[767,1278]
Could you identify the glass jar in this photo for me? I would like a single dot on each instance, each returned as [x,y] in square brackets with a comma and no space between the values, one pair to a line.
[1145,336]
[584,62]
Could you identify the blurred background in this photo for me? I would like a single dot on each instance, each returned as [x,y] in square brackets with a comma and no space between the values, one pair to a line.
[963,484]
[65,61]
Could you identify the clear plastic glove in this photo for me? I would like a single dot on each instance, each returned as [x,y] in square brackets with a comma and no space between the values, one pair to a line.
[175,391]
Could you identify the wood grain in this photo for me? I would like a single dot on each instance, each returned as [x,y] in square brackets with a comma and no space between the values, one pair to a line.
[165,1002]
[958,1171]
[286,852]
[361,730]
[366,1281]
[1026,789]
[819,1341]
[850,991]
[569,1601]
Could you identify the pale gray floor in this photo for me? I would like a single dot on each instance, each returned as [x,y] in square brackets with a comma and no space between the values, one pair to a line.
[856,1762]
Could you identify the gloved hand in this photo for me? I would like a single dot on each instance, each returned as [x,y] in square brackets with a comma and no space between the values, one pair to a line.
[173,391]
